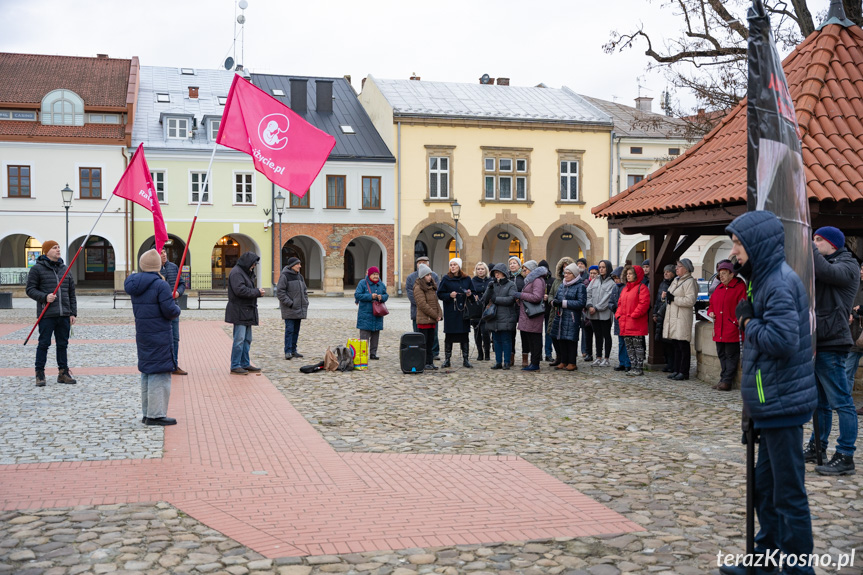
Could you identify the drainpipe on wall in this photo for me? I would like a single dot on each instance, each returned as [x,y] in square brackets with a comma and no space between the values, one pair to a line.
[611,189]
[130,230]
[618,191]
[399,211]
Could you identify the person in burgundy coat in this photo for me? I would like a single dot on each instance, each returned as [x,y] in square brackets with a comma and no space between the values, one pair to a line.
[632,307]
[723,303]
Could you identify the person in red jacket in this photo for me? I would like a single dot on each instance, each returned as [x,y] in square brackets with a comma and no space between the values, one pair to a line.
[723,303]
[632,307]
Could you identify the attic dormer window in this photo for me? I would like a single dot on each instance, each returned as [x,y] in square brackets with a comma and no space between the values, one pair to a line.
[278,92]
[165,98]
[187,71]
[63,108]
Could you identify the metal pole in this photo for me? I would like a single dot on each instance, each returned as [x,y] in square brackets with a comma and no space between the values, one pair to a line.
[456,237]
[66,252]
[280,242]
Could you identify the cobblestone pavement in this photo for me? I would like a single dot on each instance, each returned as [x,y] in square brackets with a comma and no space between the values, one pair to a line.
[665,455]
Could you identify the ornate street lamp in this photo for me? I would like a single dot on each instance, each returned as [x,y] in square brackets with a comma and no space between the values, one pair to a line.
[456,211]
[67,194]
[280,208]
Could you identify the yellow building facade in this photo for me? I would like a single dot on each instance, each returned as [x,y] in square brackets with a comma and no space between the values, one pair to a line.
[524,164]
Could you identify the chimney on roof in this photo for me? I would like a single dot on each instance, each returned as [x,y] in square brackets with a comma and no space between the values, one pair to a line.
[485,79]
[193,92]
[298,95]
[644,104]
[101,55]
[417,78]
[324,95]
[363,84]
[503,81]
[348,78]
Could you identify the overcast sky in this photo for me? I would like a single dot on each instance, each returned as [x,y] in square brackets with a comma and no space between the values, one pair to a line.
[558,42]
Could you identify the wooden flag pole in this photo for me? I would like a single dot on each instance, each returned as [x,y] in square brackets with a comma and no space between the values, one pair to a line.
[195,219]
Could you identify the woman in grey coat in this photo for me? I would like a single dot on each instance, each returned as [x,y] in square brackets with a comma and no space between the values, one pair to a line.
[599,293]
[293,303]
[502,294]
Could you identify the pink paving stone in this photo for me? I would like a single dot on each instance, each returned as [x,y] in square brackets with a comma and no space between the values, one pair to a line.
[313,500]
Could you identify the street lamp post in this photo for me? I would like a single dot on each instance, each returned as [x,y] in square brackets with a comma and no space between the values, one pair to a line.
[456,211]
[67,194]
[280,208]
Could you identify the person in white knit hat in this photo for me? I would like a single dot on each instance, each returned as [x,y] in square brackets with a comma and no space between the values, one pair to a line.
[453,291]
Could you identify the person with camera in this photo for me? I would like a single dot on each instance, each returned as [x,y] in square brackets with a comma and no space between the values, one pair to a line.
[836,284]
[856,353]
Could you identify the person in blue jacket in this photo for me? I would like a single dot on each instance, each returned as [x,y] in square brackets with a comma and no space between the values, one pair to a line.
[778,385]
[369,289]
[154,309]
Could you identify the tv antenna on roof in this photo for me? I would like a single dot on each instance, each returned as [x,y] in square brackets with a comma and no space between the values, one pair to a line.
[241,20]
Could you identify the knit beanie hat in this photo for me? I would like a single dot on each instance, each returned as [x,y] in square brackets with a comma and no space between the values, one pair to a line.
[530,265]
[581,260]
[669,268]
[591,268]
[513,258]
[573,269]
[833,236]
[373,270]
[647,263]
[423,270]
[686,263]
[150,261]
[48,245]
[457,262]
[293,261]
[725,265]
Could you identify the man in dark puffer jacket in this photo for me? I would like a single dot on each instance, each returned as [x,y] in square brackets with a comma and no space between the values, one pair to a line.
[170,271]
[154,309]
[62,310]
[835,287]
[778,385]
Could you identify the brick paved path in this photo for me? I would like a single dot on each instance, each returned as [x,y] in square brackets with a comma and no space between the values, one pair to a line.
[243,461]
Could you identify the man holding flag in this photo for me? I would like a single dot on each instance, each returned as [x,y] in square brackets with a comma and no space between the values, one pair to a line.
[61,312]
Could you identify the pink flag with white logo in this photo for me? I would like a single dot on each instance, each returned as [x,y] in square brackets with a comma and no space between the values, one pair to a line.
[136,185]
[289,151]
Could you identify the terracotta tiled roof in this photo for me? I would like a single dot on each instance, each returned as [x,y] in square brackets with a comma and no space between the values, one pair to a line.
[28,77]
[38,130]
[826,84]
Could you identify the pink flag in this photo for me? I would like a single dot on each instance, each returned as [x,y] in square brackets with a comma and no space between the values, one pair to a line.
[137,185]
[289,151]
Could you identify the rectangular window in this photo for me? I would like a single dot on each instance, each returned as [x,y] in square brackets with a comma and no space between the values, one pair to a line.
[505,164]
[104,119]
[498,180]
[336,191]
[489,187]
[214,129]
[569,181]
[90,183]
[178,128]
[163,98]
[298,202]
[439,178]
[673,151]
[158,178]
[635,150]
[505,183]
[243,192]
[18,180]
[633,179]
[489,164]
[371,193]
[223,100]
[521,166]
[197,186]
[521,188]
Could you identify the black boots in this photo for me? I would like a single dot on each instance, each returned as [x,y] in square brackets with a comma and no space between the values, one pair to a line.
[810,454]
[65,376]
[447,354]
[40,378]
[465,354]
[840,464]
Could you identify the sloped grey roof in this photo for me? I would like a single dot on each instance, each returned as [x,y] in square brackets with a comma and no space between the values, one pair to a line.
[508,103]
[155,79]
[365,144]
[632,122]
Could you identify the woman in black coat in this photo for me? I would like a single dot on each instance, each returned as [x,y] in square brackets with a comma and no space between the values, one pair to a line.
[481,335]
[455,288]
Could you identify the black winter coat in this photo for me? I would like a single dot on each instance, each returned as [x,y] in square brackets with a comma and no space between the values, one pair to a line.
[154,308]
[837,278]
[170,271]
[41,281]
[242,308]
[502,293]
[453,309]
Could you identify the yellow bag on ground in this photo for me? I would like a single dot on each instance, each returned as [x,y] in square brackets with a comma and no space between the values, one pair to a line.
[360,348]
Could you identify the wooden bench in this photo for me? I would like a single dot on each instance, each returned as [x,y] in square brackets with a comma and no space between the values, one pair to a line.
[121,295]
[212,295]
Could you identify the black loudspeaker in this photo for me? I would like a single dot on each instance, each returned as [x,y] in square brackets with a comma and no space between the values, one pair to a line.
[412,352]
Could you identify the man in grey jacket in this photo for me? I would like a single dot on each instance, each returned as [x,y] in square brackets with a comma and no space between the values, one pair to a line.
[409,288]
[293,303]
[170,271]
[836,282]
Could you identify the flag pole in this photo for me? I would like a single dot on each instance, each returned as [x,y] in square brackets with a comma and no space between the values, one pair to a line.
[68,267]
[194,219]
